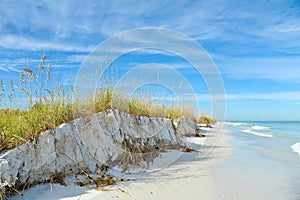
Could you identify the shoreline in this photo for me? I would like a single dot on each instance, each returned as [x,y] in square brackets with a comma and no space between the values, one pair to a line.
[261,167]
[172,175]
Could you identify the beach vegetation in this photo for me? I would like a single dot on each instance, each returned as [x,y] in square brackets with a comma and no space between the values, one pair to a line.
[207,120]
[49,104]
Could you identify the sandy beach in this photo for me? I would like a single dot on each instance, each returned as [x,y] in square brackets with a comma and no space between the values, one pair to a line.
[172,175]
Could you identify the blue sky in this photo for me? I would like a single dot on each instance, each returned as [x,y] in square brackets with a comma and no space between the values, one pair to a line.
[255,44]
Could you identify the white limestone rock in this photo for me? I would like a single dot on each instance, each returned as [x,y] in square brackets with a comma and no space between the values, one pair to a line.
[85,142]
[186,127]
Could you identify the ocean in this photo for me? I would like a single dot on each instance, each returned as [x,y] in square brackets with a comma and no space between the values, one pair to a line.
[283,136]
[265,164]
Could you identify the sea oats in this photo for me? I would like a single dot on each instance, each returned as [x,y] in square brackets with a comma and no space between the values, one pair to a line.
[48,73]
[41,66]
[12,95]
[106,62]
[2,91]
[21,79]
[29,73]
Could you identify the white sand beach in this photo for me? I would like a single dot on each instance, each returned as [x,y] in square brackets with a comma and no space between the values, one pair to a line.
[173,175]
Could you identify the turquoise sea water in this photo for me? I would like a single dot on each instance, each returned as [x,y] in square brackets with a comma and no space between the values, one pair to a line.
[283,136]
[265,164]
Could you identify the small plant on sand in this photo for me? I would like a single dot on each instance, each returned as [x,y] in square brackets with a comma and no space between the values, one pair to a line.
[208,120]
[136,155]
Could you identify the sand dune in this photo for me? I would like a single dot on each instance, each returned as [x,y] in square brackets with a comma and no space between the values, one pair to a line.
[173,175]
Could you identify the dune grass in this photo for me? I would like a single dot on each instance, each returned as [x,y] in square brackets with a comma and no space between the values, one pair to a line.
[208,120]
[49,105]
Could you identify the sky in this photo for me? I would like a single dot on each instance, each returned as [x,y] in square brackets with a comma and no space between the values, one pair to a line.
[254,44]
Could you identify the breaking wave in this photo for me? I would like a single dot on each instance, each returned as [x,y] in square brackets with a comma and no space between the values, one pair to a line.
[258,128]
[296,148]
[233,123]
[254,130]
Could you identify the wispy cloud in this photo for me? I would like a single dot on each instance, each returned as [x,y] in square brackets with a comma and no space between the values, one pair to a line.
[13,69]
[274,68]
[4,69]
[21,43]
[247,39]
[284,96]
[9,69]
[281,96]
[273,26]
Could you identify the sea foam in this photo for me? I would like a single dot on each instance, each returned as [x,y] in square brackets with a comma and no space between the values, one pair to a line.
[233,123]
[257,133]
[258,128]
[296,148]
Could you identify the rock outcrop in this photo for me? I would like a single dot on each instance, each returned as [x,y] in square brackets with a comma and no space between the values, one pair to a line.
[187,127]
[86,143]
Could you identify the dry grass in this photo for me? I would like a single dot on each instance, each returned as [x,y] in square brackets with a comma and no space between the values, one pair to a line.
[1,194]
[208,120]
[137,153]
[50,105]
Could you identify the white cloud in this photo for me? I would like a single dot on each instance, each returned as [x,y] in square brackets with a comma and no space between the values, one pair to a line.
[7,68]
[285,69]
[238,27]
[20,43]
[14,69]
[69,25]
[3,69]
[282,96]
[285,96]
